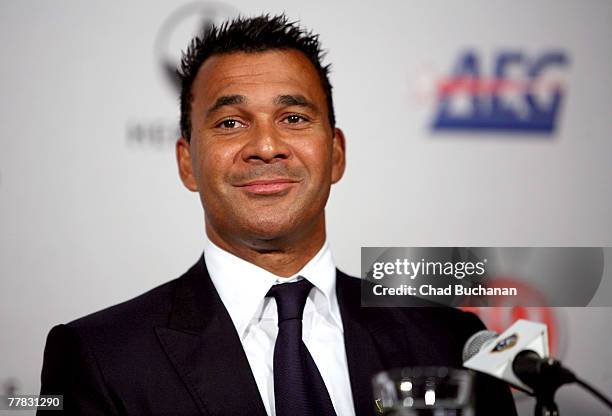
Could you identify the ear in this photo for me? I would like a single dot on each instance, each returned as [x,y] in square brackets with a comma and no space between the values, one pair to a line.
[338,155]
[185,166]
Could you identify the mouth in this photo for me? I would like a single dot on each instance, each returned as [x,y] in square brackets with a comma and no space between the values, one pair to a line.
[268,186]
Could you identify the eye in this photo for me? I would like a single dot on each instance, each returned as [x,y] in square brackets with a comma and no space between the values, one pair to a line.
[294,119]
[230,123]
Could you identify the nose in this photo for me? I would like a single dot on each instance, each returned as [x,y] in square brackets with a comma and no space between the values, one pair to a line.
[265,145]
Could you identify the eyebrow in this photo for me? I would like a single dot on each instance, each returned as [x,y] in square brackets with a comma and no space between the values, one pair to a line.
[226,100]
[294,100]
[284,100]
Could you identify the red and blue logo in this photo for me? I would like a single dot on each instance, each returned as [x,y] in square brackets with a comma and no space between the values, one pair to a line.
[519,93]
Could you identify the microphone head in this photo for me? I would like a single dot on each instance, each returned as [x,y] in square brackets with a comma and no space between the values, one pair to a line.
[477,342]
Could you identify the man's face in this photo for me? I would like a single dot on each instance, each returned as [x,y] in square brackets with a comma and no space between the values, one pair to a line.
[262,154]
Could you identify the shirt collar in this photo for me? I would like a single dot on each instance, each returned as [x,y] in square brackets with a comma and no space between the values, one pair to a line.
[242,286]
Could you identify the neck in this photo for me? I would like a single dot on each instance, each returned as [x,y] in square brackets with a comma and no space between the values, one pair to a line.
[282,256]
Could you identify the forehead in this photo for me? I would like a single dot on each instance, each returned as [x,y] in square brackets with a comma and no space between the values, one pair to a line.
[270,72]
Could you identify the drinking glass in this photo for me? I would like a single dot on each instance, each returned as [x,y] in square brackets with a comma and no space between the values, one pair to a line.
[424,391]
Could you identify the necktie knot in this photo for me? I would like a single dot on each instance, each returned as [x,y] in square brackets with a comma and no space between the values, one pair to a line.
[290,299]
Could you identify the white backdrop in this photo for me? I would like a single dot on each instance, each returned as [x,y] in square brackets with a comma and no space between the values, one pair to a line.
[92,211]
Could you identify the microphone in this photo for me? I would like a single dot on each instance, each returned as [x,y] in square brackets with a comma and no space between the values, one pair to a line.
[528,366]
[502,355]
[539,373]
[479,341]
[519,356]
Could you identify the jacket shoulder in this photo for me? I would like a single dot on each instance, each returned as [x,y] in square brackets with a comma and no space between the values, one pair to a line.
[152,305]
[460,325]
[149,309]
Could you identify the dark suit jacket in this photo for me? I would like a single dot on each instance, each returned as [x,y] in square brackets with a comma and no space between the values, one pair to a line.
[174,351]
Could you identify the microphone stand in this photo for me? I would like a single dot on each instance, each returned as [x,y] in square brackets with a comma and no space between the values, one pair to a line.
[545,397]
[544,377]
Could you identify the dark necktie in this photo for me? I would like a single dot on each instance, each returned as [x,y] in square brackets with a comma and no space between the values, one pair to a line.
[298,387]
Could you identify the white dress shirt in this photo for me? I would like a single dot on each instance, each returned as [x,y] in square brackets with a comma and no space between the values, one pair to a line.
[242,286]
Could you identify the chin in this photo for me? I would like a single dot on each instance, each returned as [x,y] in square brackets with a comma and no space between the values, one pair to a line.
[269,229]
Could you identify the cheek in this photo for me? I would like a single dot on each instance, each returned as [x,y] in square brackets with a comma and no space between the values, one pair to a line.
[316,156]
[214,163]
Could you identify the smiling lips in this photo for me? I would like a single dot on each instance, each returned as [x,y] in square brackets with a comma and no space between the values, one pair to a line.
[268,186]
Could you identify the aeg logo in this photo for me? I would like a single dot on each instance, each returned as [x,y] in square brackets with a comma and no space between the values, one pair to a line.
[521,93]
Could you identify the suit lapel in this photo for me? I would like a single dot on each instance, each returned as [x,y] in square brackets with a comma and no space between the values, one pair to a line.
[362,356]
[378,339]
[202,344]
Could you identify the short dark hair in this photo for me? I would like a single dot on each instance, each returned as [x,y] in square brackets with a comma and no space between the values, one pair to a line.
[253,34]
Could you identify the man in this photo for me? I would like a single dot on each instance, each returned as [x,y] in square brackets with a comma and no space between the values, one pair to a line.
[263,323]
